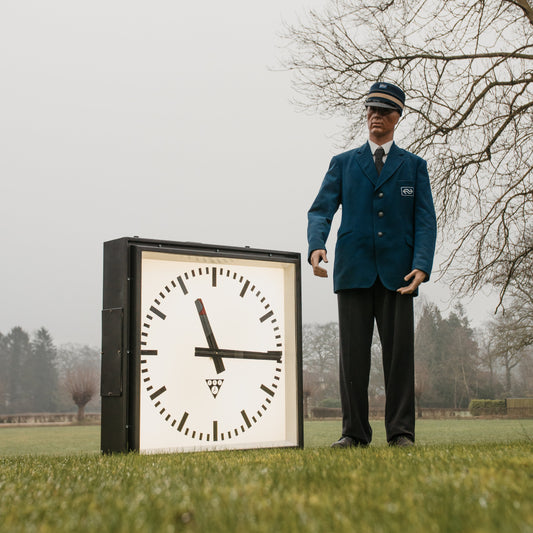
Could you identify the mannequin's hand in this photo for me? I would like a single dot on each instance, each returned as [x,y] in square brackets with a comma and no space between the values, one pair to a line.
[417,277]
[316,257]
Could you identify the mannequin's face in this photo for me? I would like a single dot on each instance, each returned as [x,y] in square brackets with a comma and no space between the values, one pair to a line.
[381,123]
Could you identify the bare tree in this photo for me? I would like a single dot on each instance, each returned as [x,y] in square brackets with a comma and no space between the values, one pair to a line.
[82,383]
[321,357]
[509,345]
[467,69]
[311,386]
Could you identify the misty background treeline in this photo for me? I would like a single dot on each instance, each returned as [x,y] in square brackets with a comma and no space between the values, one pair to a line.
[455,363]
[39,377]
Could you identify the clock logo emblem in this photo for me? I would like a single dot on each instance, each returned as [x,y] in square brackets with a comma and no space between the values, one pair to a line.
[211,355]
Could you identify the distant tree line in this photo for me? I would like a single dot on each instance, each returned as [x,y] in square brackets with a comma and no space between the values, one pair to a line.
[455,363]
[39,377]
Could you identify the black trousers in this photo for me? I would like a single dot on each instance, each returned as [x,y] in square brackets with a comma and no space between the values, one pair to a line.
[393,313]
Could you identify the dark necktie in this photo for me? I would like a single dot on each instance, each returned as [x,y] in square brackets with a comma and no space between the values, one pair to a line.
[378,154]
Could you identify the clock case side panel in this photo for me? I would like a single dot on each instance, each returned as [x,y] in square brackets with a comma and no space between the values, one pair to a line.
[116,347]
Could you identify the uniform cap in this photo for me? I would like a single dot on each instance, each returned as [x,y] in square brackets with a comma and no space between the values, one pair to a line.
[387,95]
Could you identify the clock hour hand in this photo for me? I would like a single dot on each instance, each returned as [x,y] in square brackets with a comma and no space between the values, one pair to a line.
[239,354]
[209,335]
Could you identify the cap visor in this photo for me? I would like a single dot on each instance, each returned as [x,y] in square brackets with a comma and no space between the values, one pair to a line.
[371,103]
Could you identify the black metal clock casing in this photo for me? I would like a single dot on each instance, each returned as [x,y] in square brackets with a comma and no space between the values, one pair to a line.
[201,347]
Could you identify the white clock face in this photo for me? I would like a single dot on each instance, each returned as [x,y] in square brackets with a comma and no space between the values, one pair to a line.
[217,356]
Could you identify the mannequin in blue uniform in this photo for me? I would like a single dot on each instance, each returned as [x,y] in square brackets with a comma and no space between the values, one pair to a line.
[384,251]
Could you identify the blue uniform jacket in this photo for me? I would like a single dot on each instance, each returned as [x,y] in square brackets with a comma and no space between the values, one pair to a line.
[388,225]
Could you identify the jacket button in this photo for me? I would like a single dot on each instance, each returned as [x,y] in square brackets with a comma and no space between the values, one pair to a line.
[380,213]
[380,195]
[380,234]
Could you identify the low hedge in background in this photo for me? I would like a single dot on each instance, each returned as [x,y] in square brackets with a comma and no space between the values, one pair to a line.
[326,412]
[487,407]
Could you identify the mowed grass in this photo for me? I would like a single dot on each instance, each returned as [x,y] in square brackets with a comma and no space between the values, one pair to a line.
[463,476]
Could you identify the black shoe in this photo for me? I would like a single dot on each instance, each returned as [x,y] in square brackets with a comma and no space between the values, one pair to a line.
[402,442]
[348,442]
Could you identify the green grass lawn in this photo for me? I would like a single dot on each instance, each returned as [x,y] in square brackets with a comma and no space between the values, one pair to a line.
[65,440]
[463,476]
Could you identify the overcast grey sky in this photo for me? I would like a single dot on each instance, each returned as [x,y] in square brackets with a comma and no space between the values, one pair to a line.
[161,119]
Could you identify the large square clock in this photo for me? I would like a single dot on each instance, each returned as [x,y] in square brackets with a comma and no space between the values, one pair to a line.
[201,347]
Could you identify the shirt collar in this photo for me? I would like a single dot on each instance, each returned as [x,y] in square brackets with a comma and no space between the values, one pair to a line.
[374,146]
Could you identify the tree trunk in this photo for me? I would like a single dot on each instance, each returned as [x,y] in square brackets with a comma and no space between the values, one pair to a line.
[81,413]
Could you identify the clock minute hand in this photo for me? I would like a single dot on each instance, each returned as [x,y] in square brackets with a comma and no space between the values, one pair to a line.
[209,335]
[238,354]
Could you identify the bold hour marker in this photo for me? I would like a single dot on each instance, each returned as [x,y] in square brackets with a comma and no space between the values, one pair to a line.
[182,285]
[245,288]
[267,390]
[214,277]
[266,316]
[215,430]
[157,312]
[148,352]
[158,392]
[183,419]
[246,419]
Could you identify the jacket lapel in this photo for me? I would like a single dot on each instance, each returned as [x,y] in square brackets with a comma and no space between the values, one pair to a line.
[365,160]
[394,160]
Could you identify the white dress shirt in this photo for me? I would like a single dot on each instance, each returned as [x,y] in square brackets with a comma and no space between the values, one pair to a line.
[374,147]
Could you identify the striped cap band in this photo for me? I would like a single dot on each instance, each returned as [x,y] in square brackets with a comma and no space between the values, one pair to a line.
[387,97]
